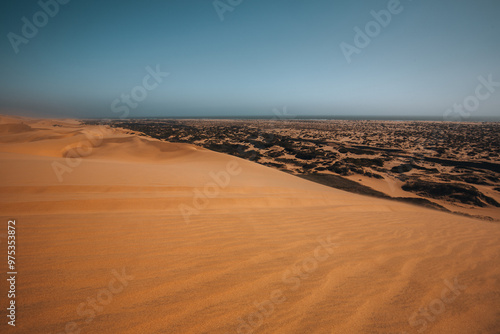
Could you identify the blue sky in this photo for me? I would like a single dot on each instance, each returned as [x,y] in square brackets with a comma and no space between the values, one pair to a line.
[263,55]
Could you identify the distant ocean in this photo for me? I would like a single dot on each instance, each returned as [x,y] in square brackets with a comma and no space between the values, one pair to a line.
[324,118]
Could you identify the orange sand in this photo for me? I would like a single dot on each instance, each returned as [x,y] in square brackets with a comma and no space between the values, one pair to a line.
[264,252]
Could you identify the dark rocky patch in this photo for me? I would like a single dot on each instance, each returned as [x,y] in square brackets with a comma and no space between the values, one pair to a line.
[402,168]
[451,192]
[363,162]
[342,183]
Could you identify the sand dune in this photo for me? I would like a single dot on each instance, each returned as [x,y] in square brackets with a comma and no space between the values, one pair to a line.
[119,233]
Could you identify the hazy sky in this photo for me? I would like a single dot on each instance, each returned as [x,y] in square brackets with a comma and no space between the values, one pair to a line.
[232,57]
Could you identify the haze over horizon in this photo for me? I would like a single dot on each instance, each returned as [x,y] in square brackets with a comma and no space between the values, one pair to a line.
[246,58]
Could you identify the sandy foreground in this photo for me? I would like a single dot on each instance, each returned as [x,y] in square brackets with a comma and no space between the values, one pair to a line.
[118,233]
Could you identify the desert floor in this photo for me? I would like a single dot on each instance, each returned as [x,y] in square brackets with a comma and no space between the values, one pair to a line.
[449,166]
[118,233]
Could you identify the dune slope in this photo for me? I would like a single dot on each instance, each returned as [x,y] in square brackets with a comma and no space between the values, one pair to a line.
[119,233]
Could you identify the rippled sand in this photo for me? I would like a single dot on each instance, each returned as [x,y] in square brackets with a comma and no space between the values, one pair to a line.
[119,233]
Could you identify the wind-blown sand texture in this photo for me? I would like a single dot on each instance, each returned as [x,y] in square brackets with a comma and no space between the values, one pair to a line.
[265,252]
